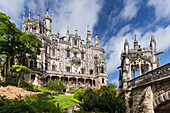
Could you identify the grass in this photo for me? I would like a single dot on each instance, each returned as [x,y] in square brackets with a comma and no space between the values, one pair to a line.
[63,100]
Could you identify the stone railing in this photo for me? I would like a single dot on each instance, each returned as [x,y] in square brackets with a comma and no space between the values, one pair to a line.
[151,76]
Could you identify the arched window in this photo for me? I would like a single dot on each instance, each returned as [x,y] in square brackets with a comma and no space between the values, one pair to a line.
[82,56]
[53,67]
[53,52]
[102,69]
[68,53]
[75,42]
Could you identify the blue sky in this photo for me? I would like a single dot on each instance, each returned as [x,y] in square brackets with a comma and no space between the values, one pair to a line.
[112,20]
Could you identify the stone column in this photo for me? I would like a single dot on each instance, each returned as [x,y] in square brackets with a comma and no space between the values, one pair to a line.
[140,68]
[85,81]
[92,83]
[68,81]
[76,81]
[159,62]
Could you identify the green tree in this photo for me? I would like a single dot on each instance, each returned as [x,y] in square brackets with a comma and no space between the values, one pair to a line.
[13,42]
[109,89]
[21,70]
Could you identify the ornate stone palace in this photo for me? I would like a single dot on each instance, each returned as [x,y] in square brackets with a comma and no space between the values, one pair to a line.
[66,58]
[143,82]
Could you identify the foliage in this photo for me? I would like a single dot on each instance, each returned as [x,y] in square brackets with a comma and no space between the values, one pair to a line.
[79,95]
[14,43]
[103,100]
[27,86]
[56,85]
[21,70]
[46,89]
[109,89]
[31,104]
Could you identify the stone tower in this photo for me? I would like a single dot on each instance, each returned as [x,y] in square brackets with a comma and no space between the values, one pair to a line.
[136,61]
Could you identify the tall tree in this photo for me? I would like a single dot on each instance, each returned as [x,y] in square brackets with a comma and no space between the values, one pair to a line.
[14,42]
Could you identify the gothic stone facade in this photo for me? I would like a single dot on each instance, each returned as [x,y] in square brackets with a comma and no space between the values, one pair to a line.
[148,92]
[66,58]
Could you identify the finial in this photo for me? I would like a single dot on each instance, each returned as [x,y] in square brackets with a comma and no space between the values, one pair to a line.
[76,31]
[38,15]
[135,39]
[96,41]
[159,62]
[23,15]
[47,10]
[87,27]
[29,13]
[67,30]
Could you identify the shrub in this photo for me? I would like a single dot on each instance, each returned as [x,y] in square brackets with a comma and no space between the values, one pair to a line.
[56,85]
[8,83]
[31,104]
[79,95]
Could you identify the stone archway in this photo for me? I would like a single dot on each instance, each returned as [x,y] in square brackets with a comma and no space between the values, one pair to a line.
[162,103]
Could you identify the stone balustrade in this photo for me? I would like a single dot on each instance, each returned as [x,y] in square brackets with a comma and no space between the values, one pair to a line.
[152,76]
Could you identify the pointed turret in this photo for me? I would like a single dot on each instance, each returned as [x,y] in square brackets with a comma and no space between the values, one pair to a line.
[76,32]
[96,41]
[29,13]
[38,15]
[67,30]
[153,44]
[48,22]
[135,43]
[126,46]
[88,39]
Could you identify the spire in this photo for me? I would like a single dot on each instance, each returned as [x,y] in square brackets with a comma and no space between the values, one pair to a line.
[23,15]
[76,32]
[29,13]
[38,15]
[88,39]
[153,39]
[67,30]
[47,10]
[96,41]
[135,43]
[87,28]
[159,62]
[126,42]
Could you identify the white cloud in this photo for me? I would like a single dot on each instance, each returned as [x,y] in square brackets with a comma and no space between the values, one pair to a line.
[116,43]
[162,9]
[116,81]
[13,9]
[75,14]
[130,9]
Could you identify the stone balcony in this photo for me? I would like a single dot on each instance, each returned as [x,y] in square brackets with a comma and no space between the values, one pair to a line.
[157,74]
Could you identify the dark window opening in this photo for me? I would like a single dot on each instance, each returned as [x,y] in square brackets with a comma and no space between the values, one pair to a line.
[31,63]
[32,77]
[75,54]
[46,66]
[102,70]
[75,42]
[53,52]
[82,71]
[82,56]
[102,80]
[35,64]
[45,49]
[53,68]
[68,53]
[68,69]
[91,72]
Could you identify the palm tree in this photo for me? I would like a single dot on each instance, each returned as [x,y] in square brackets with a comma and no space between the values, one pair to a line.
[21,70]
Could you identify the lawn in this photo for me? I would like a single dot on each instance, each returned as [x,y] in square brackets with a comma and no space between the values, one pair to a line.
[63,100]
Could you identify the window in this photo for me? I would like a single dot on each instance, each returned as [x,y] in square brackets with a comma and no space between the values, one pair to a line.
[75,42]
[34,30]
[68,69]
[102,70]
[91,72]
[35,64]
[53,52]
[31,63]
[82,56]
[53,68]
[75,54]
[46,66]
[102,80]
[32,77]
[82,71]
[45,49]
[68,53]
